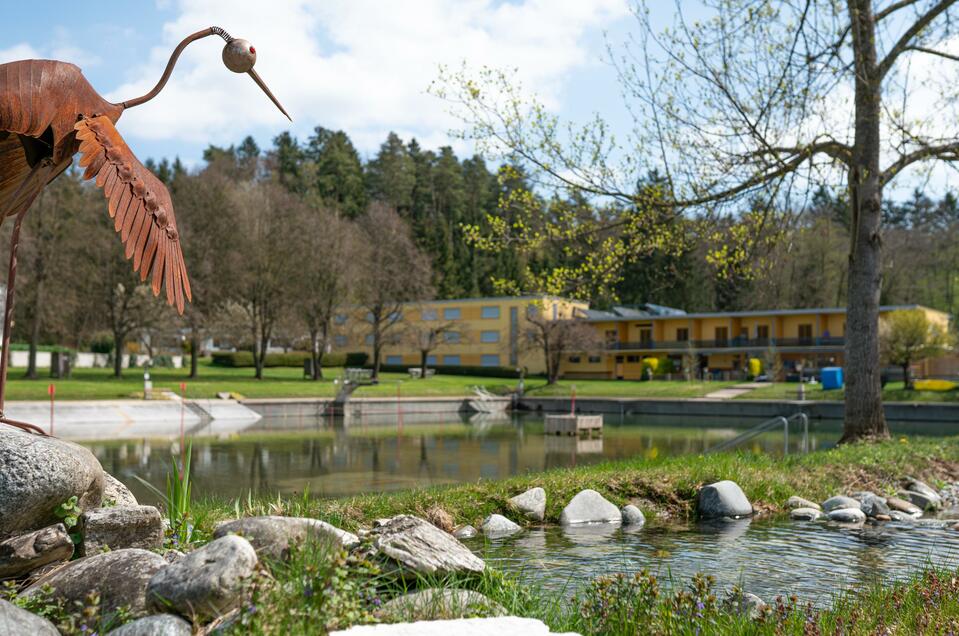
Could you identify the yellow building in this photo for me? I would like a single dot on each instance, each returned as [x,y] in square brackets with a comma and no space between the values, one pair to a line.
[719,342]
[480,332]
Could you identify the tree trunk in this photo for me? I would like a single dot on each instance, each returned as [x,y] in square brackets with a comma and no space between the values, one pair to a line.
[315,373]
[864,417]
[34,341]
[423,356]
[257,360]
[117,356]
[907,376]
[194,353]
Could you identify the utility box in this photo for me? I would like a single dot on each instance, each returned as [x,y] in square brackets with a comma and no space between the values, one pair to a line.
[831,378]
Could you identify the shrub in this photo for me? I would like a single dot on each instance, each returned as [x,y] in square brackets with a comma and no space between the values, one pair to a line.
[484,372]
[934,385]
[240,359]
[101,342]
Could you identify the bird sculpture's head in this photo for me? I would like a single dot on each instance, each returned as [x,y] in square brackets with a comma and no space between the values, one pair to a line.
[239,56]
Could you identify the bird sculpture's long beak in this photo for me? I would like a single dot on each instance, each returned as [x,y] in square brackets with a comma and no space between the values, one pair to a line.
[259,81]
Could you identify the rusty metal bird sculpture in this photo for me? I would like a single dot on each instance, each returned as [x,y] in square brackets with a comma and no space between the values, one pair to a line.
[49,112]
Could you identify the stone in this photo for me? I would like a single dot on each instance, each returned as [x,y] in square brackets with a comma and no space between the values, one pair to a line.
[902,505]
[632,516]
[804,514]
[723,499]
[273,536]
[920,500]
[440,518]
[745,603]
[798,502]
[438,604]
[39,474]
[120,577]
[465,532]
[588,506]
[207,582]
[16,621]
[415,544]
[847,515]
[172,556]
[914,485]
[499,526]
[120,527]
[115,493]
[873,505]
[898,515]
[882,517]
[156,625]
[500,626]
[24,553]
[840,502]
[531,503]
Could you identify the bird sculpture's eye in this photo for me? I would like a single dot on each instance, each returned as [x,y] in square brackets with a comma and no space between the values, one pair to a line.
[252,50]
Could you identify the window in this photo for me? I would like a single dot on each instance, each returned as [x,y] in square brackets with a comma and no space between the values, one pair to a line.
[646,337]
[762,332]
[339,319]
[611,336]
[369,316]
[489,360]
[574,359]
[339,341]
[489,336]
[682,334]
[429,314]
[744,332]
[805,334]
[451,361]
[451,337]
[632,358]
[397,360]
[431,360]
[595,359]
[451,313]
[395,316]
[490,311]
[722,335]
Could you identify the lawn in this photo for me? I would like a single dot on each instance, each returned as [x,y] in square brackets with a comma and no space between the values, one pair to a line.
[893,392]
[281,382]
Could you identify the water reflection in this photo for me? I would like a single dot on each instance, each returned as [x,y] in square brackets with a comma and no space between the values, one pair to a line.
[289,455]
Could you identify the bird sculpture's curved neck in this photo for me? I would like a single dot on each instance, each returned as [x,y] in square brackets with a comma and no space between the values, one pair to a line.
[173,59]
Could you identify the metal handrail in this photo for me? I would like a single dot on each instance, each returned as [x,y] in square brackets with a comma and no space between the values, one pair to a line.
[767,425]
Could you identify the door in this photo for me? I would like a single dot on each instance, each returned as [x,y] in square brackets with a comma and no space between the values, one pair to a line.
[619,368]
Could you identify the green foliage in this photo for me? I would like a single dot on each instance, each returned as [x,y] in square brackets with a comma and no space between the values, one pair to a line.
[102,342]
[178,498]
[242,359]
[69,513]
[908,336]
[478,372]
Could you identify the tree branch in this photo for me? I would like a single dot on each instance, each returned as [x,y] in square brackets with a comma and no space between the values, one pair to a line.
[904,42]
[922,49]
[944,152]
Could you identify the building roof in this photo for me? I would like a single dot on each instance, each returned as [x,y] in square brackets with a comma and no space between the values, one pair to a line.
[594,315]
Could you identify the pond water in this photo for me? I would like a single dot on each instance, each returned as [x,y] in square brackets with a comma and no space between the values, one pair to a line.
[282,456]
[768,558]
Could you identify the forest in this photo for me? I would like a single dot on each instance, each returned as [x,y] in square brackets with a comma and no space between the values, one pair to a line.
[276,238]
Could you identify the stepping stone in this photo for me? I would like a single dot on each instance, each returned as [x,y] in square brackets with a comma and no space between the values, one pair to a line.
[588,506]
[723,499]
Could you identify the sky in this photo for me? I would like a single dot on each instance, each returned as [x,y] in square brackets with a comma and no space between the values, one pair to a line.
[363,66]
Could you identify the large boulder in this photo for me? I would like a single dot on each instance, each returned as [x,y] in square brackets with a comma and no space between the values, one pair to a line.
[434,604]
[417,545]
[115,493]
[723,499]
[16,621]
[588,506]
[156,625]
[120,577]
[120,527]
[273,536]
[27,552]
[532,504]
[499,526]
[207,582]
[840,502]
[40,473]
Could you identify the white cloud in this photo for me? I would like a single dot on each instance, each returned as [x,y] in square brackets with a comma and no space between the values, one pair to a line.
[363,65]
[21,51]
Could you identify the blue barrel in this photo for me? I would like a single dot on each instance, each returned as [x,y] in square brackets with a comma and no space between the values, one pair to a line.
[831,378]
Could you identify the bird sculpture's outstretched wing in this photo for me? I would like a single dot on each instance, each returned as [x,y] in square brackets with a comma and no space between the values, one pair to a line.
[140,206]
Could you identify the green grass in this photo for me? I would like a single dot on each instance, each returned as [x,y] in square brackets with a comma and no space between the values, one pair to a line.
[892,392]
[280,382]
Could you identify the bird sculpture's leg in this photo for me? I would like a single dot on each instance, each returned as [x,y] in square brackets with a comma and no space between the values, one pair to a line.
[32,185]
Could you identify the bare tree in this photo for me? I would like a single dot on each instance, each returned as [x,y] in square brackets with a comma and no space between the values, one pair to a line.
[391,271]
[327,244]
[556,337]
[759,100]
[426,334]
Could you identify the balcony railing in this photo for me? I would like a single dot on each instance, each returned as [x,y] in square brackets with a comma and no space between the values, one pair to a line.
[729,343]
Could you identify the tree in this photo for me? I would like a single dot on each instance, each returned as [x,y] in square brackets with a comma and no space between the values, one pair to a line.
[391,271]
[327,244]
[556,337]
[426,334]
[336,173]
[740,105]
[906,337]
[391,175]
